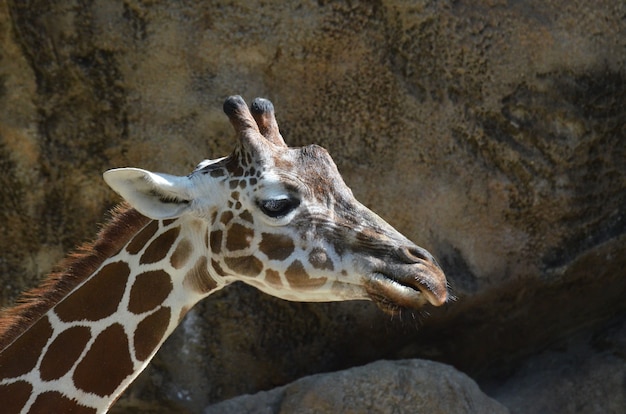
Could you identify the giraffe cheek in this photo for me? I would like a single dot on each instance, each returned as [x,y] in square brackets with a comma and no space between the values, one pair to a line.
[215,241]
[276,246]
[226,217]
[239,237]
[319,259]
[246,216]
[199,279]
[272,277]
[218,269]
[245,266]
[298,277]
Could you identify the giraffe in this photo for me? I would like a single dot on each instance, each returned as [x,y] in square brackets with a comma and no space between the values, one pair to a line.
[278,218]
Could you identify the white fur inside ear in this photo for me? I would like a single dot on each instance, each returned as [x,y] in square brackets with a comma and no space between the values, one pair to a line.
[155,195]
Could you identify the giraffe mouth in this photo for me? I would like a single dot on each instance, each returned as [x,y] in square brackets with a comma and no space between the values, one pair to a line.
[392,295]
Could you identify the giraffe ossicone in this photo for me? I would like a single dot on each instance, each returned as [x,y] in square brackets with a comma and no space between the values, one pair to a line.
[278,218]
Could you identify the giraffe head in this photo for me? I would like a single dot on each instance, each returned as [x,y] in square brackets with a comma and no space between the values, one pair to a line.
[283,220]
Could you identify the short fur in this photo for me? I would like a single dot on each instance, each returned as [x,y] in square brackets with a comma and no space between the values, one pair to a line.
[77,267]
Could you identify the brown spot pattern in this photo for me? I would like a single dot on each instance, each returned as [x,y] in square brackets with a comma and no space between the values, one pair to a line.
[61,403]
[216,241]
[149,291]
[22,355]
[181,254]
[218,269]
[63,352]
[199,278]
[98,372]
[98,298]
[226,217]
[283,163]
[320,260]
[276,246]
[238,237]
[298,277]
[159,248]
[244,266]
[272,277]
[168,222]
[14,396]
[235,169]
[238,163]
[150,331]
[246,216]
[217,173]
[140,240]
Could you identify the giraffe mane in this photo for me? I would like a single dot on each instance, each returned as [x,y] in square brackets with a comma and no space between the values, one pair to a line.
[74,269]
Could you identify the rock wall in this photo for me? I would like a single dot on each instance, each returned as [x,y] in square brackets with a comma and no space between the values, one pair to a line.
[490,132]
[415,386]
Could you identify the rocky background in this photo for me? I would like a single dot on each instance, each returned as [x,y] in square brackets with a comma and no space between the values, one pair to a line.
[491,132]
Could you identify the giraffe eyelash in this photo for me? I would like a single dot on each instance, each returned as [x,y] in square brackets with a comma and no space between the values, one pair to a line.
[278,207]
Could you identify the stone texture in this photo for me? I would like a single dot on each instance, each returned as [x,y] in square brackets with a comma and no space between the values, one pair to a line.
[490,132]
[410,386]
[585,374]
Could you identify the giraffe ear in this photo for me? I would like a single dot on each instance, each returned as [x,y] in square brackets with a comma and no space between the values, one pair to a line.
[155,195]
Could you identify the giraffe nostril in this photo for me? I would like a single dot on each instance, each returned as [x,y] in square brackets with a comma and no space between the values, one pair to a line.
[415,254]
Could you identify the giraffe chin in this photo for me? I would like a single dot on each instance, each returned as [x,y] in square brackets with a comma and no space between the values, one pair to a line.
[392,297]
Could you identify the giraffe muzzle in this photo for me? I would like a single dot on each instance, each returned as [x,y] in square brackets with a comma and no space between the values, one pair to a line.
[411,284]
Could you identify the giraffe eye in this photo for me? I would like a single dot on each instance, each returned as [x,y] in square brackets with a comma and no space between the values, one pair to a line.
[278,207]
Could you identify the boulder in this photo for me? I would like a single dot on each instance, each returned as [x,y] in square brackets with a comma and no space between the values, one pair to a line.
[489,132]
[408,386]
[584,374]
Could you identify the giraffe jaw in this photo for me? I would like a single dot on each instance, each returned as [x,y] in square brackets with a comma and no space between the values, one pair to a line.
[392,295]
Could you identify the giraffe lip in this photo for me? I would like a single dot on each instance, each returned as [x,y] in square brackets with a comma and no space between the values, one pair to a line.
[392,294]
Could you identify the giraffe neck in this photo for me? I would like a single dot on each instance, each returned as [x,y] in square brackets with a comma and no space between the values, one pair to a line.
[92,329]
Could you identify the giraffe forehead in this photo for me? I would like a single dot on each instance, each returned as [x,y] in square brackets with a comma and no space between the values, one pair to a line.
[308,172]
[286,166]
[314,175]
[276,184]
